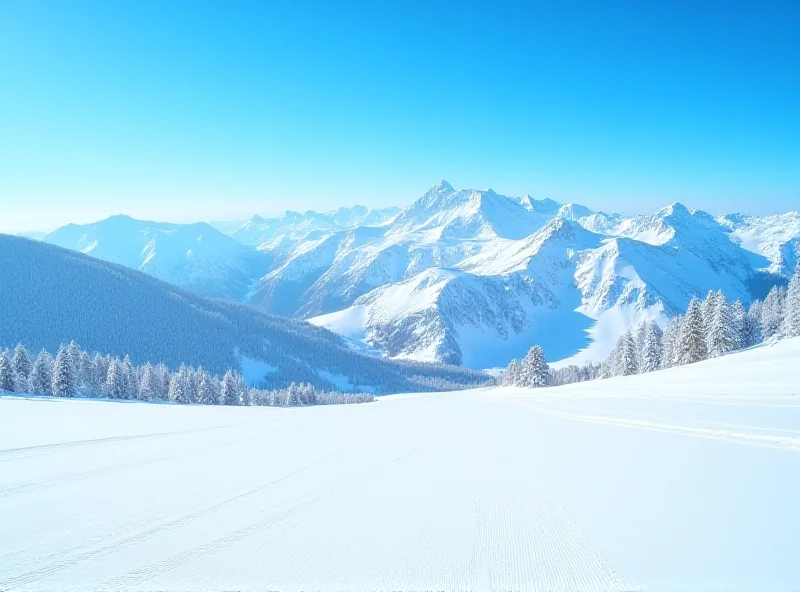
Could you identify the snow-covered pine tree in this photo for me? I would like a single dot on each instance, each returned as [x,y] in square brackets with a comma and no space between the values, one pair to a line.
[147,385]
[41,377]
[772,313]
[640,336]
[651,353]
[99,373]
[737,314]
[187,380]
[64,383]
[792,320]
[129,379]
[22,365]
[162,382]
[241,388]
[86,376]
[206,393]
[292,396]
[8,378]
[230,390]
[626,360]
[535,369]
[756,310]
[74,353]
[691,346]
[721,338]
[115,387]
[310,395]
[245,394]
[511,376]
[177,389]
[706,309]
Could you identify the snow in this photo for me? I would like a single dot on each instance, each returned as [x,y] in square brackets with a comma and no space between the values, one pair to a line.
[683,479]
[254,371]
[329,268]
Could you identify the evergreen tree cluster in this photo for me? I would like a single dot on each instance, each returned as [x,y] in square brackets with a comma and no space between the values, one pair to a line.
[710,328]
[532,372]
[75,373]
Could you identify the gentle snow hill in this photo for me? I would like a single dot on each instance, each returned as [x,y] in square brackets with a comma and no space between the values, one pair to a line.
[683,479]
[52,295]
[194,256]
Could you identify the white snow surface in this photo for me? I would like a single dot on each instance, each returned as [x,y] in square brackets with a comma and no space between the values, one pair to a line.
[684,479]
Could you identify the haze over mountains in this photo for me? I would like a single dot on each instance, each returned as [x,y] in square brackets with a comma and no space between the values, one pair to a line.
[463,276]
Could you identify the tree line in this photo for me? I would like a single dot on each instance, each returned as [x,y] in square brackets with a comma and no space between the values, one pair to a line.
[76,373]
[711,327]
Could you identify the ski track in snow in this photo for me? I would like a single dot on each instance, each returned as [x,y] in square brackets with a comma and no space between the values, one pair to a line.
[564,489]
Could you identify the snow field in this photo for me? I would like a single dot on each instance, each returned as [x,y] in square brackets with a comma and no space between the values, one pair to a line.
[682,479]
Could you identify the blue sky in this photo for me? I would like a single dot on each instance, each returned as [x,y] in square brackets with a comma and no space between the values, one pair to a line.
[219,110]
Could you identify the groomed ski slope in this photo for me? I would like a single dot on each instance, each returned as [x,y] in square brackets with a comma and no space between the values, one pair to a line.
[683,479]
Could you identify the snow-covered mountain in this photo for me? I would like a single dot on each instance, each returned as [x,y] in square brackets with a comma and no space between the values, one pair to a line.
[51,295]
[293,225]
[194,256]
[775,237]
[475,277]
[573,284]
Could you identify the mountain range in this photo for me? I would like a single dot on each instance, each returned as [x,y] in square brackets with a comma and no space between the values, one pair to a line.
[467,277]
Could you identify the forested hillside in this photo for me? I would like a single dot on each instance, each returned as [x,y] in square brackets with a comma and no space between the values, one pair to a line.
[50,296]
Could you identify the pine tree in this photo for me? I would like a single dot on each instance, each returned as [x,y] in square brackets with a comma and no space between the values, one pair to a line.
[640,338]
[115,387]
[512,374]
[535,370]
[792,320]
[772,313]
[64,378]
[42,374]
[230,391]
[721,338]
[737,315]
[22,365]
[651,353]
[292,396]
[129,379]
[177,389]
[74,353]
[756,310]
[691,346]
[189,394]
[8,378]
[626,359]
[206,393]
[706,310]
[162,381]
[147,385]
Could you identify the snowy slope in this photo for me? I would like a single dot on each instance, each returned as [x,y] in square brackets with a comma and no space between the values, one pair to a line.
[194,256]
[684,479]
[775,237]
[52,295]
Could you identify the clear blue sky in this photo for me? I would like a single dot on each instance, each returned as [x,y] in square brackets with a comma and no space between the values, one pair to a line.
[219,110]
